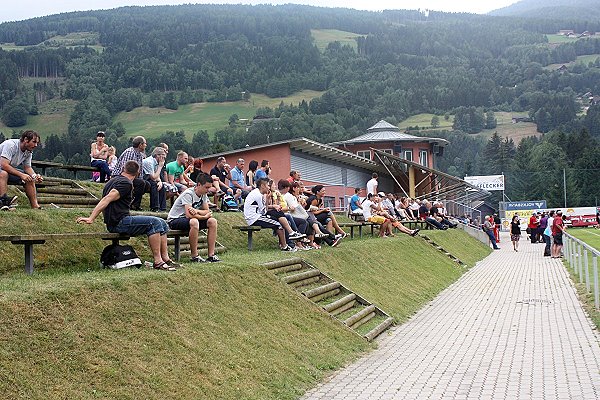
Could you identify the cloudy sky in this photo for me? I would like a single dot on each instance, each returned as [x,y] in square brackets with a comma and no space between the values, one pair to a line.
[24,9]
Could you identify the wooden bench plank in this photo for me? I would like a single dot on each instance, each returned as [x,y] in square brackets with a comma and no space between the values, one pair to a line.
[249,230]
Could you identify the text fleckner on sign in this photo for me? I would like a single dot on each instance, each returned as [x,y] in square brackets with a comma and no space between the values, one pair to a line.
[486,182]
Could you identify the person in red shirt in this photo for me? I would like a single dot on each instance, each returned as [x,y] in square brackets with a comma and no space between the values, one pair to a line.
[533,225]
[558,227]
[294,176]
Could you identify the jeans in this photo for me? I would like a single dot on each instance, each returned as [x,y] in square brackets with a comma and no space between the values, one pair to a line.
[158,198]
[301,224]
[490,234]
[104,170]
[438,224]
[135,225]
[547,249]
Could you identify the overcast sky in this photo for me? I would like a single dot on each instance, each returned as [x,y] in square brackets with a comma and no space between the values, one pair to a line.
[24,9]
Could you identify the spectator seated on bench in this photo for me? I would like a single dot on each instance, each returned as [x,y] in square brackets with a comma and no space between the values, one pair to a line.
[355,205]
[323,214]
[15,153]
[370,209]
[425,216]
[190,213]
[387,210]
[256,214]
[115,202]
[134,153]
[152,168]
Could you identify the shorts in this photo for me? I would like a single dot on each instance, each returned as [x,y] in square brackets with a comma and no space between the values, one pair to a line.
[558,239]
[135,225]
[183,224]
[267,222]
[13,179]
[377,219]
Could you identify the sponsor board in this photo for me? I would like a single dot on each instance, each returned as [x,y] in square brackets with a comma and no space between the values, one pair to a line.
[525,205]
[487,182]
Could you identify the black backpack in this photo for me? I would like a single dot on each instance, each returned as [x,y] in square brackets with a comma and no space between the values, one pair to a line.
[116,256]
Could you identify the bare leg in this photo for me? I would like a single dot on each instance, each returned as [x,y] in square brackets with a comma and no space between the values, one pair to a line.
[31,194]
[281,236]
[336,226]
[212,236]
[285,224]
[155,245]
[164,251]
[193,235]
[3,182]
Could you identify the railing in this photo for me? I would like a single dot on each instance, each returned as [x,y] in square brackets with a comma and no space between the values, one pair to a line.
[578,255]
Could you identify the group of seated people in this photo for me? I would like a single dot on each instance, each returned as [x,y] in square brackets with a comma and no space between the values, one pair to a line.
[389,210]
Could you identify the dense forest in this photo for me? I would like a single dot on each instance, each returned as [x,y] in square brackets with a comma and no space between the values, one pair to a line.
[404,63]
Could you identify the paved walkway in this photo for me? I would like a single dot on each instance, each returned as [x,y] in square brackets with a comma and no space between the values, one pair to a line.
[510,328]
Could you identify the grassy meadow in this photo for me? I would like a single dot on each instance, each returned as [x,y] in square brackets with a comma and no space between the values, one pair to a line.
[323,37]
[231,330]
[591,237]
[585,59]
[153,122]
[505,126]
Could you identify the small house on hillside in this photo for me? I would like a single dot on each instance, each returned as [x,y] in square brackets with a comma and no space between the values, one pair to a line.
[566,32]
[595,100]
[388,138]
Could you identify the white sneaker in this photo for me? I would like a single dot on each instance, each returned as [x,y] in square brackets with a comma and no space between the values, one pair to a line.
[296,235]
[290,249]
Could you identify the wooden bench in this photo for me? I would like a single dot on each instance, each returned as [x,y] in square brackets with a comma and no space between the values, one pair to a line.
[359,225]
[29,240]
[249,230]
[423,225]
[72,168]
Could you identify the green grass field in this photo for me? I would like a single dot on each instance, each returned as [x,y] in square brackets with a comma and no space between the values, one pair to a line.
[591,237]
[232,330]
[153,122]
[75,39]
[505,126]
[323,37]
[586,59]
[560,39]
[53,117]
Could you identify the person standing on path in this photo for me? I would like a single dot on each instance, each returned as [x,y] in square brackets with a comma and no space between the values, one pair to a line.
[515,232]
[558,227]
[488,228]
[547,234]
[533,225]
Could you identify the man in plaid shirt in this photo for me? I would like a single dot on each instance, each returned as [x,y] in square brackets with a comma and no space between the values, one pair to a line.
[134,153]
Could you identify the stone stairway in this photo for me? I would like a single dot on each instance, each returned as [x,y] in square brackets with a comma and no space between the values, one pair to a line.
[64,193]
[351,310]
[441,249]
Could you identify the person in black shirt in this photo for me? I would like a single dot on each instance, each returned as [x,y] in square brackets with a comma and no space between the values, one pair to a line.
[115,203]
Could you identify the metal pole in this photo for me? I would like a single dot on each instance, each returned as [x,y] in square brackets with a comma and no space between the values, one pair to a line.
[596,288]
[565,185]
[587,270]
[580,263]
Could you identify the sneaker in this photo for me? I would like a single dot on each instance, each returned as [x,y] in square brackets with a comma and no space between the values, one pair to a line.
[4,208]
[338,236]
[415,232]
[197,259]
[173,264]
[296,235]
[213,259]
[321,235]
[288,248]
[336,242]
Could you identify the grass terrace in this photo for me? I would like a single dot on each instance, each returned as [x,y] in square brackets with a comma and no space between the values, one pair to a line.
[230,330]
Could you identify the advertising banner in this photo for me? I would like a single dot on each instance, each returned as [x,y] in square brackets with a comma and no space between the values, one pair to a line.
[487,182]
[525,205]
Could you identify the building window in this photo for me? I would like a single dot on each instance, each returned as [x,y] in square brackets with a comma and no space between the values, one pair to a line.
[364,153]
[388,151]
[328,201]
[408,155]
[423,156]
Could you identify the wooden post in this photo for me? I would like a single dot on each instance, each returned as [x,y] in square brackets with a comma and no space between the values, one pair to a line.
[177,243]
[411,181]
[250,240]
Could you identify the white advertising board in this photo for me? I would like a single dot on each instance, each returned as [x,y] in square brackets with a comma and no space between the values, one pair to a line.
[487,182]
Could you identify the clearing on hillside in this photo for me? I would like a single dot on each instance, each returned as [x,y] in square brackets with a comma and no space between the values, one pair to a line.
[505,127]
[323,37]
[585,60]
[191,118]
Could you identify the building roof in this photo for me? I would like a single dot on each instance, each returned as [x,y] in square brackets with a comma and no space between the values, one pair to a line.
[383,131]
[313,148]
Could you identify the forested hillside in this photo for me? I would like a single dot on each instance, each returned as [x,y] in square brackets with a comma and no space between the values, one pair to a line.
[403,63]
[552,9]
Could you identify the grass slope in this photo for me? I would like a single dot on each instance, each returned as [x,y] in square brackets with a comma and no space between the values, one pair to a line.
[585,60]
[591,237]
[73,330]
[505,127]
[323,37]
[153,122]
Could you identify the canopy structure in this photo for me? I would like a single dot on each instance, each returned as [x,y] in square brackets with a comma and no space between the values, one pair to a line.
[419,182]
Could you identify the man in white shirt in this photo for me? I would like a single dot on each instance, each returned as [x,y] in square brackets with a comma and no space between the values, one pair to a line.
[372,184]
[190,213]
[13,153]
[255,213]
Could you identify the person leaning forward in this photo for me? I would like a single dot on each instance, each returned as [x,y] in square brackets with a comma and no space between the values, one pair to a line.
[115,202]
[15,153]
